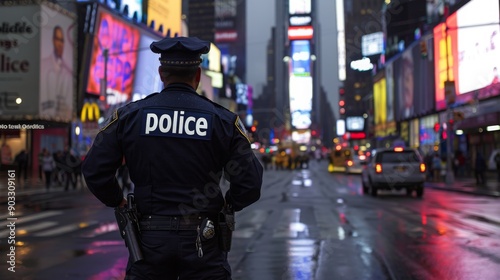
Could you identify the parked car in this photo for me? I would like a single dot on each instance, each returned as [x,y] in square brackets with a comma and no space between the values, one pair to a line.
[394,169]
[492,166]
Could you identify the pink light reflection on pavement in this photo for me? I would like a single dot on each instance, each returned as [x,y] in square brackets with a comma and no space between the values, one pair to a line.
[117,271]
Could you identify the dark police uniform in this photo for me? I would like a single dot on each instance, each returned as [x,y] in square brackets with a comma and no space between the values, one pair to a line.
[177,144]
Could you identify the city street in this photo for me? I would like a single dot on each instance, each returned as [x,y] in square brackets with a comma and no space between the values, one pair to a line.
[308,224]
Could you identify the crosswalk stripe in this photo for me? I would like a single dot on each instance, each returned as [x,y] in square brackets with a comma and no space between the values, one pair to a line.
[64,229]
[290,225]
[25,230]
[28,218]
[253,224]
[327,223]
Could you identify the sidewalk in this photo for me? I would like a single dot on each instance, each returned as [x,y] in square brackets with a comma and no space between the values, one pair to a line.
[30,187]
[468,185]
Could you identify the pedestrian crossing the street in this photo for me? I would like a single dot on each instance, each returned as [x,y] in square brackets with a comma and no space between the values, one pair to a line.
[42,224]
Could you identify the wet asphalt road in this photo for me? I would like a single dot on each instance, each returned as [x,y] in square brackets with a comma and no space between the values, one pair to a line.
[308,224]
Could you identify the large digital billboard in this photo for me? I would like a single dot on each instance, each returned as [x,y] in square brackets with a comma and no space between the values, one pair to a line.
[413,83]
[301,93]
[299,7]
[471,44]
[301,63]
[19,61]
[380,101]
[166,13]
[134,8]
[146,80]
[122,42]
[36,62]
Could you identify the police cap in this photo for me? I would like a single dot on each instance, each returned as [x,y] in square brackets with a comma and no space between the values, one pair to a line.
[180,51]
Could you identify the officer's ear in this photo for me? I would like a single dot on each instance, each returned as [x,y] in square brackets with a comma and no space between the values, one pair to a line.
[198,77]
[161,74]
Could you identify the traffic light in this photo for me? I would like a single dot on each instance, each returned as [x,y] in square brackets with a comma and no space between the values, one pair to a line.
[423,48]
[341,101]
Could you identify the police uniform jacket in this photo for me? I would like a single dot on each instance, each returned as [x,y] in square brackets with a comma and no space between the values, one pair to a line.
[176,144]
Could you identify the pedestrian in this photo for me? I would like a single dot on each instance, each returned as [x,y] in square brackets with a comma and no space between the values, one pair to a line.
[48,165]
[436,167]
[480,168]
[70,167]
[177,144]
[21,160]
[461,164]
[40,164]
[497,162]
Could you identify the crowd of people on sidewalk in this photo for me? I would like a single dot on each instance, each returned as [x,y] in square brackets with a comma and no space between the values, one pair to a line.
[462,167]
[62,168]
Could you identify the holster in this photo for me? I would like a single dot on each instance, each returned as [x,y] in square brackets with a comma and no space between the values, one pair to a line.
[128,224]
[226,224]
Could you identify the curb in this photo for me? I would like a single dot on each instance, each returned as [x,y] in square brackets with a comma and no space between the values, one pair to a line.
[468,190]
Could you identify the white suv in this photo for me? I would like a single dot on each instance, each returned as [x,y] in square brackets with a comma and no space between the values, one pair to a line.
[394,168]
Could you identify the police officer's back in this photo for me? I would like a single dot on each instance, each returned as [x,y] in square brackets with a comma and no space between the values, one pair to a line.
[176,144]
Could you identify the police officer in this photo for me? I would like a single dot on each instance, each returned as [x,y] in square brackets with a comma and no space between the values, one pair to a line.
[177,145]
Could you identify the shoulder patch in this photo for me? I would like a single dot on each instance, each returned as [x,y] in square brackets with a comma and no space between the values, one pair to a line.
[241,128]
[109,121]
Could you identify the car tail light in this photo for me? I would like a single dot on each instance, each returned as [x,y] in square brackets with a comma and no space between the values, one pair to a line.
[378,168]
[350,163]
[422,168]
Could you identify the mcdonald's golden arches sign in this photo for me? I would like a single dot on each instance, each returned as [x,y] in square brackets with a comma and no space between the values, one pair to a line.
[90,112]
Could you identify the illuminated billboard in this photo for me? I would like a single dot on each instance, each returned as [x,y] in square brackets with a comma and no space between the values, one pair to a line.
[380,101]
[413,83]
[122,41]
[146,80]
[36,62]
[133,6]
[472,51]
[166,13]
[355,123]
[212,59]
[300,32]
[372,44]
[299,7]
[301,63]
[301,93]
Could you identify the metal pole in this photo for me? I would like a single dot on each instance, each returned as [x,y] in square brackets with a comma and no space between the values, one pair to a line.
[105,53]
[449,115]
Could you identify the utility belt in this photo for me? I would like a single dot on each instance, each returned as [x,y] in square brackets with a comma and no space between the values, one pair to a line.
[207,227]
[155,222]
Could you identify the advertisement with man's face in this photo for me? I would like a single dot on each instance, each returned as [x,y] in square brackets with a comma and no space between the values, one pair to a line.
[57,84]
[122,41]
[19,61]
[413,84]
